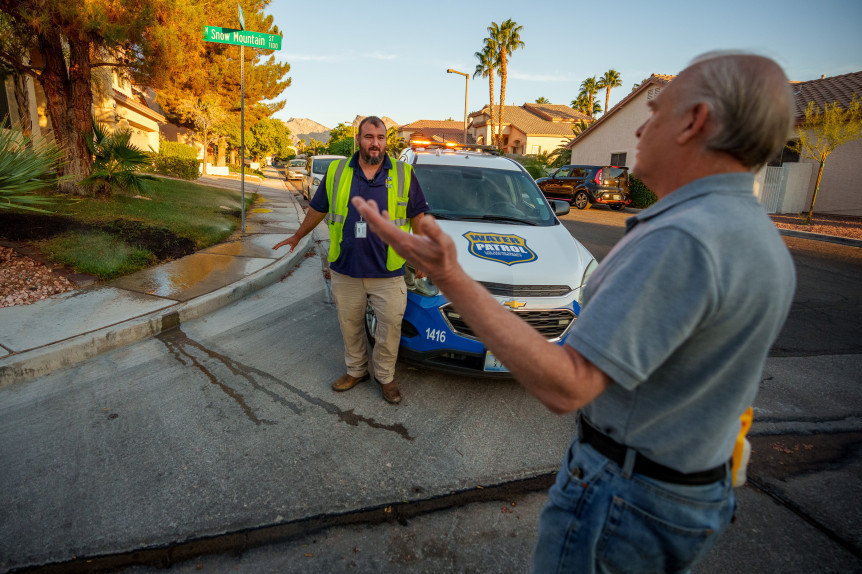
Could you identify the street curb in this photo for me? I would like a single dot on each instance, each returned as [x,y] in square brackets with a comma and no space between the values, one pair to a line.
[821,237]
[44,360]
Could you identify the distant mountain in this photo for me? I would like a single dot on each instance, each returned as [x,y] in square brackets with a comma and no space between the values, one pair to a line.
[307,130]
[387,121]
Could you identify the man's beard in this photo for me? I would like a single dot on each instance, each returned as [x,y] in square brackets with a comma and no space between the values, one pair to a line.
[366,157]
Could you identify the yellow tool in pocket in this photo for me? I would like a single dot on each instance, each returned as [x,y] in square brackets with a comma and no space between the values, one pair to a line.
[742,450]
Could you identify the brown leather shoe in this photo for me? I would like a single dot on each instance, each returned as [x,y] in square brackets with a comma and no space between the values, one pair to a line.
[346,382]
[391,392]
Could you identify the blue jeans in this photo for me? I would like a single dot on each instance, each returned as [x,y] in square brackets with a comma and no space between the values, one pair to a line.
[597,520]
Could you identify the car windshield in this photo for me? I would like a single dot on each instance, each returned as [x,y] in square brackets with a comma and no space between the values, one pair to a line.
[472,193]
[297,162]
[319,165]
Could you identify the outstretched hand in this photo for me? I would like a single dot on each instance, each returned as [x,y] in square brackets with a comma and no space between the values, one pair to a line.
[293,240]
[431,251]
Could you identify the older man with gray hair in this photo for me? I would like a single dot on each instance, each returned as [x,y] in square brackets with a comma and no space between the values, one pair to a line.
[676,324]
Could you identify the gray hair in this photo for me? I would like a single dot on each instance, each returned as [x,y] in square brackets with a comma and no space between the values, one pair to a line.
[750,103]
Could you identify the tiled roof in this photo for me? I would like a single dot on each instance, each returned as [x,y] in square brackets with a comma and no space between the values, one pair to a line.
[533,124]
[450,131]
[839,89]
[556,112]
[436,124]
[653,80]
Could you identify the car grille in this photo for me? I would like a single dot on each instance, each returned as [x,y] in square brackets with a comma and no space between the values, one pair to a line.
[552,324]
[506,290]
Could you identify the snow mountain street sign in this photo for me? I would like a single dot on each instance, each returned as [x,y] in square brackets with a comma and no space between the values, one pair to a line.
[242,38]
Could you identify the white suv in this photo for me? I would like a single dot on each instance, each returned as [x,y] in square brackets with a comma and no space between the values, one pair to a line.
[508,238]
[317,166]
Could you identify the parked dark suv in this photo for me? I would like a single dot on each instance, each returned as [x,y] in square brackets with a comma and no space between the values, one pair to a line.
[583,185]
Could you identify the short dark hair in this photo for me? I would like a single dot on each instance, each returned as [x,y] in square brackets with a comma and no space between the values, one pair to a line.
[374,120]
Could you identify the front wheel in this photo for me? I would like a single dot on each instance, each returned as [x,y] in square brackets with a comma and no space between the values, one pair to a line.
[370,323]
[582,200]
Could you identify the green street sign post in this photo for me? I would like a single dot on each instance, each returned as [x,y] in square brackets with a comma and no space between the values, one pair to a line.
[242,38]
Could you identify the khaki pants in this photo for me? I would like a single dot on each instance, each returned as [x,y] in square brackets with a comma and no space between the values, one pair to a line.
[388,298]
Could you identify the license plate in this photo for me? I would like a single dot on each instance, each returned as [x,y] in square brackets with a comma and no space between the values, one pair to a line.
[617,197]
[492,363]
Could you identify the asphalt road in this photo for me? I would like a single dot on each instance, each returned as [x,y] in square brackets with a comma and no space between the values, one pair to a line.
[826,316]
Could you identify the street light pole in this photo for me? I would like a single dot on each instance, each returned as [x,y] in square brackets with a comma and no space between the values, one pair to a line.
[466,91]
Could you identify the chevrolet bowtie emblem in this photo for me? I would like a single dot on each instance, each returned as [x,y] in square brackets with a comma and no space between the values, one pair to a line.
[514,304]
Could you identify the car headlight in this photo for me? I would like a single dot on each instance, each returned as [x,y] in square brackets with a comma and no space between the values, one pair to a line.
[316,181]
[423,286]
[591,266]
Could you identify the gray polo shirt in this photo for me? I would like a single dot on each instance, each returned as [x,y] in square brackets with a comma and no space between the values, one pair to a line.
[681,315]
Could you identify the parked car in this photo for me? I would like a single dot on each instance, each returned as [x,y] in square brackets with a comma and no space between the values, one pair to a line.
[295,169]
[583,185]
[508,238]
[315,172]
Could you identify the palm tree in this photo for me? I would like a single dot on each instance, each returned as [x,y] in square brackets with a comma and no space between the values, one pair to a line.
[611,79]
[582,104]
[543,100]
[506,38]
[486,68]
[117,162]
[590,88]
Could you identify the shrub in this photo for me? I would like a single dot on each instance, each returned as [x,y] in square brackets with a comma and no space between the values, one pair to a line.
[25,167]
[176,149]
[642,196]
[176,160]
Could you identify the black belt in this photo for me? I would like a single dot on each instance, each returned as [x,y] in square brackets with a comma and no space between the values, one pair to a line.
[617,453]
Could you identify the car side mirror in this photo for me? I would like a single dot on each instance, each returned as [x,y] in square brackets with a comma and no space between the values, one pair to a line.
[561,207]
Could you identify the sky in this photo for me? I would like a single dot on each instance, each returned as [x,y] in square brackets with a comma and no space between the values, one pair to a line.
[385,58]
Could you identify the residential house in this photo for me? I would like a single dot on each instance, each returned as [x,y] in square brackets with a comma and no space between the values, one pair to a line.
[839,185]
[116,103]
[784,186]
[435,130]
[611,140]
[527,129]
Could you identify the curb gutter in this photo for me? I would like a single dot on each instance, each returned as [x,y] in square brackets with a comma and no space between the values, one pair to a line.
[43,360]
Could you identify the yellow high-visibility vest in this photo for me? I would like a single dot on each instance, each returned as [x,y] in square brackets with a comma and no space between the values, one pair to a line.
[339,177]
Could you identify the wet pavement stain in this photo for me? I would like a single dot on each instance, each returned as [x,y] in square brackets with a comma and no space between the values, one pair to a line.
[178,343]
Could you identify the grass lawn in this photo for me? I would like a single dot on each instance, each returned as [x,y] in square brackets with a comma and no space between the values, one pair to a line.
[124,234]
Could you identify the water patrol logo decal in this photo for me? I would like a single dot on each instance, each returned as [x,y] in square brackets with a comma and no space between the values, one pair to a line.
[507,249]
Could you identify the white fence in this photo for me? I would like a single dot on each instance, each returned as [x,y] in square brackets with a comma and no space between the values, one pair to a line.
[773,189]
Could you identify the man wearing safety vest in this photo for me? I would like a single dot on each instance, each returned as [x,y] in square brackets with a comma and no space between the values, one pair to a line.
[362,267]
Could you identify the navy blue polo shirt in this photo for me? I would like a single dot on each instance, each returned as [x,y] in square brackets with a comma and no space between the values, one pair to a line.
[366,257]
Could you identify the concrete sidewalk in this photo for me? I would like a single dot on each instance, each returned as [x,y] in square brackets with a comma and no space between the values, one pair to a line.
[74,326]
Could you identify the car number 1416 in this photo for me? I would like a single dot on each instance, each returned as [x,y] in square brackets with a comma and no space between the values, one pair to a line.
[435,335]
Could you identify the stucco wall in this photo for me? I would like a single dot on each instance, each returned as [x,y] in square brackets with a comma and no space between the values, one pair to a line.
[614,135]
[841,184]
[537,144]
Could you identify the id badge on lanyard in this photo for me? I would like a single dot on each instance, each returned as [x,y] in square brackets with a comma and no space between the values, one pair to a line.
[360,231]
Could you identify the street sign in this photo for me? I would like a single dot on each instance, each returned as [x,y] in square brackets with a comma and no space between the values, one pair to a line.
[242,38]
[241,17]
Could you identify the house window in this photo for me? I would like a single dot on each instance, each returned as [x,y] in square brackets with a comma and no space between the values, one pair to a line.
[786,155]
[618,158]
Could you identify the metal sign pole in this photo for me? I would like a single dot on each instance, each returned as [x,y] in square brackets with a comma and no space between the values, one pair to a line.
[242,131]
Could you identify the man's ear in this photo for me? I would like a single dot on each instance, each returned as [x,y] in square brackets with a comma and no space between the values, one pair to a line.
[697,117]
